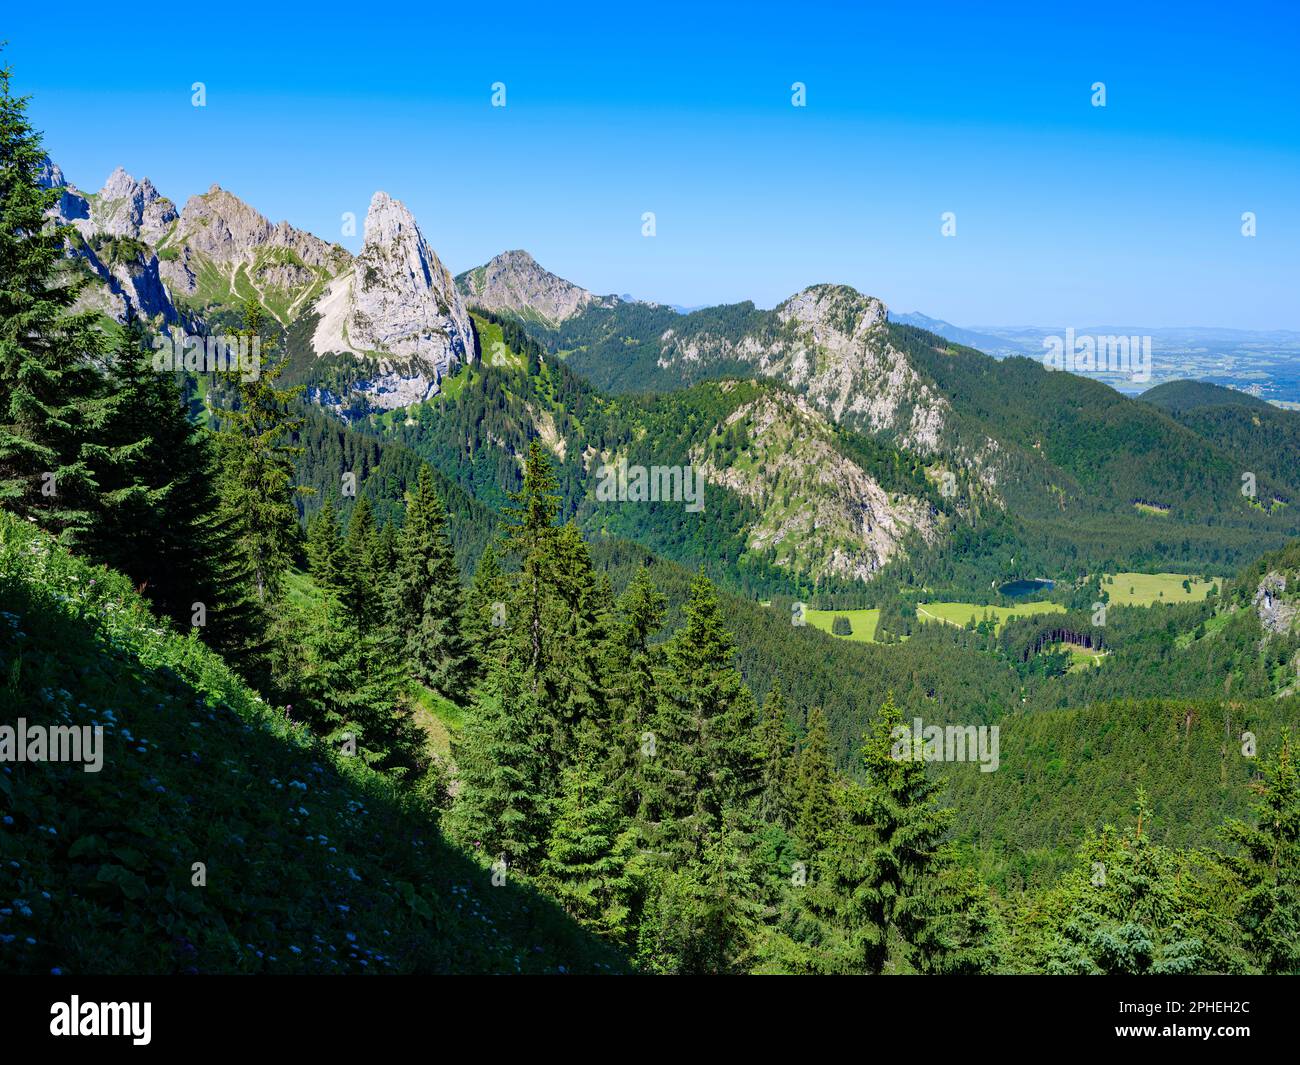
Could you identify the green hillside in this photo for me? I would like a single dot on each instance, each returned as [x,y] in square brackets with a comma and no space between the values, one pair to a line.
[314,863]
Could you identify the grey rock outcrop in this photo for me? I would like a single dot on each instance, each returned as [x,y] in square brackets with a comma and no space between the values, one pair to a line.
[72,204]
[398,308]
[125,207]
[1277,613]
[832,343]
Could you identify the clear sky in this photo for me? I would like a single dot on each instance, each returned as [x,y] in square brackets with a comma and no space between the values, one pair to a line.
[1066,213]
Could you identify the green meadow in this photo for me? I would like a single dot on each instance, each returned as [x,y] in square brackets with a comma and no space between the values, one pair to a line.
[1143,589]
[863,621]
[961,613]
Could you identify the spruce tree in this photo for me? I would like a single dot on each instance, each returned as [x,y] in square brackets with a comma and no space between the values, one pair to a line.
[703,725]
[53,403]
[156,508]
[633,666]
[257,465]
[485,612]
[503,807]
[576,622]
[776,751]
[529,534]
[427,597]
[325,548]
[351,693]
[1268,865]
[587,861]
[892,884]
[815,813]
[361,590]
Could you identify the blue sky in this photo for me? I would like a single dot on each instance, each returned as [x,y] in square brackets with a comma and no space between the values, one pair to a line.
[1067,214]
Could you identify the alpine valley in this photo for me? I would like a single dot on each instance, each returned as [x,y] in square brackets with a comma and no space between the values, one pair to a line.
[371,637]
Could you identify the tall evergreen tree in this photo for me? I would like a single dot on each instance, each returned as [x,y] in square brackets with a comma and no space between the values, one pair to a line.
[52,399]
[427,597]
[485,612]
[362,591]
[776,790]
[575,619]
[351,693]
[703,725]
[816,816]
[633,666]
[893,883]
[1268,865]
[155,474]
[325,548]
[258,465]
[588,857]
[503,808]
[529,534]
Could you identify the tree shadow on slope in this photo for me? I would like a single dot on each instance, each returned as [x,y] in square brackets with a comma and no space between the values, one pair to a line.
[218,836]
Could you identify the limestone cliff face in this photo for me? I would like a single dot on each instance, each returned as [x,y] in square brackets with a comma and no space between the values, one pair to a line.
[1277,611]
[831,343]
[111,244]
[396,307]
[821,512]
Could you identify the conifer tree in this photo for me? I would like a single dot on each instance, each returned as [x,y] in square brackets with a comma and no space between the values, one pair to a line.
[703,722]
[325,548]
[426,605]
[633,665]
[529,534]
[893,883]
[776,751]
[1268,865]
[361,589]
[815,816]
[385,555]
[156,507]
[503,807]
[258,465]
[485,612]
[702,916]
[351,691]
[52,398]
[587,861]
[575,620]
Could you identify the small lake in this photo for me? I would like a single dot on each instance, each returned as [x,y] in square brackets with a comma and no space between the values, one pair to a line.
[1019,589]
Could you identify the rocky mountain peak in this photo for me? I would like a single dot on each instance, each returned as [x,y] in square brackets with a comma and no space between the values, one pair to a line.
[834,309]
[398,304]
[125,207]
[49,175]
[515,283]
[72,204]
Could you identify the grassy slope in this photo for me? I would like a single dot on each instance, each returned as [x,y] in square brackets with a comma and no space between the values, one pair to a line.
[313,862]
